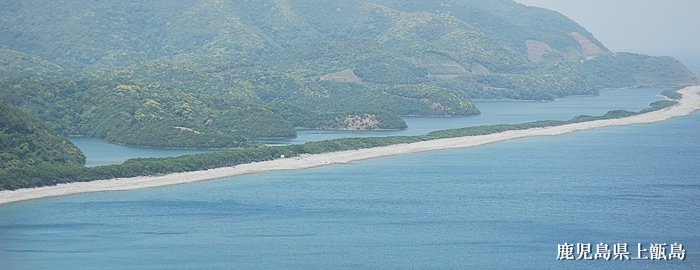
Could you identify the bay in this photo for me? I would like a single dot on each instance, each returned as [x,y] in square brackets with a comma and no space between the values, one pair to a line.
[506,205]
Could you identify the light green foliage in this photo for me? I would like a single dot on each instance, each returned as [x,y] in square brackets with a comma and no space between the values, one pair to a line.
[40,175]
[636,70]
[401,99]
[305,119]
[213,46]
[127,112]
[14,62]
[208,73]
[151,114]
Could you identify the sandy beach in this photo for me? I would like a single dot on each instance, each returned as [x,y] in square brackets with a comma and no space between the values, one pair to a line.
[688,104]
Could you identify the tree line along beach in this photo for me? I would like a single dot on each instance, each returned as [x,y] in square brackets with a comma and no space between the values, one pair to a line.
[689,103]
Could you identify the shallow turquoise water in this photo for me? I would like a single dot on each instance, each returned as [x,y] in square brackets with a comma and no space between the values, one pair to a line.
[505,205]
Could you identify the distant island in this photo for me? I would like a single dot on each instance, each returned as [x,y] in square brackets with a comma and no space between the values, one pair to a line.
[226,74]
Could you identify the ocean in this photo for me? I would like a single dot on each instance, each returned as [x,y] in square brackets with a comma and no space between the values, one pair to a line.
[507,205]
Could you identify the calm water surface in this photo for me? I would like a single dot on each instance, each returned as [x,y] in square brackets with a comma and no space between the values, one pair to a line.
[503,113]
[99,152]
[505,205]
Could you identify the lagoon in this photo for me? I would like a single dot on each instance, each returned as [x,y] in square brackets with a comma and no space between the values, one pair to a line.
[499,206]
[99,152]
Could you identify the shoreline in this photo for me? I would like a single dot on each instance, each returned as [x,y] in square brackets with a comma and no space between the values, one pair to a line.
[689,103]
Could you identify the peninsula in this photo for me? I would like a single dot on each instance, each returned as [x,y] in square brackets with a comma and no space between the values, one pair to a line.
[228,74]
[689,103]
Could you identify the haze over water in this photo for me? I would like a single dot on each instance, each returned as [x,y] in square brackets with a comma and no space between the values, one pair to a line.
[503,205]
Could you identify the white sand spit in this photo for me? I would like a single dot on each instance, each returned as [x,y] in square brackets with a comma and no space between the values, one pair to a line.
[688,104]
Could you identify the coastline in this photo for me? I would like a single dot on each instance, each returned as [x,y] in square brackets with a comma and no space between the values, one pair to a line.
[689,103]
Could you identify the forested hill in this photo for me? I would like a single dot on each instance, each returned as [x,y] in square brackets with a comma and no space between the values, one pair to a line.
[86,33]
[26,141]
[218,73]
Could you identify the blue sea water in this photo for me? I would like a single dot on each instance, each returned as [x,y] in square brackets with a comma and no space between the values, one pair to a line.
[506,205]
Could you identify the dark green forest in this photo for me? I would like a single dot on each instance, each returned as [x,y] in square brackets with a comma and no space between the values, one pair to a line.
[225,74]
[26,142]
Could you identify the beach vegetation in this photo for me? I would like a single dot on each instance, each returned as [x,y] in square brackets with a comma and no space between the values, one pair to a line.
[211,74]
[226,74]
[50,174]
[672,94]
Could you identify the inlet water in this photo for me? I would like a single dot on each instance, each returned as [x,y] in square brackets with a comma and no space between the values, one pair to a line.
[506,205]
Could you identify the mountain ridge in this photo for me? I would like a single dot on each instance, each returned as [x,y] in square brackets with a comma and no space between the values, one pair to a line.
[222,67]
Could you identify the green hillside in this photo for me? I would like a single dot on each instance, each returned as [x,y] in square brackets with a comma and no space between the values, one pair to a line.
[132,112]
[26,142]
[208,73]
